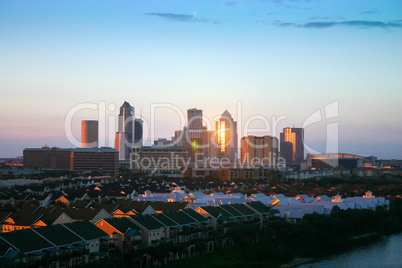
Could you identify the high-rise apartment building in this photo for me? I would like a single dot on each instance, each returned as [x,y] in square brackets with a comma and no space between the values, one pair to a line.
[89,134]
[259,150]
[292,145]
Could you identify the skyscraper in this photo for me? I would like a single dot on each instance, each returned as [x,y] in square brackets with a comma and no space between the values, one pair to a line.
[138,131]
[226,137]
[194,118]
[259,150]
[292,145]
[195,135]
[125,137]
[89,134]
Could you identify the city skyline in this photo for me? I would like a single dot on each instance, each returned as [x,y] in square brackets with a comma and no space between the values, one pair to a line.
[277,58]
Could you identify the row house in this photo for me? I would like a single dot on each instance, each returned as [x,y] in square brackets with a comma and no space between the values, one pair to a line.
[63,245]
[35,216]
[126,234]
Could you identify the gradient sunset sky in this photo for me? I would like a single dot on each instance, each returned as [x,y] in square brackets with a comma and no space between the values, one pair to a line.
[280,57]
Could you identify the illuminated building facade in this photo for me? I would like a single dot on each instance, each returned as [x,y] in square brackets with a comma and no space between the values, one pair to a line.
[203,144]
[259,150]
[226,137]
[89,134]
[292,145]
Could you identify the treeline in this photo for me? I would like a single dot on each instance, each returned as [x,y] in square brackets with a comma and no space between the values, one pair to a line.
[321,235]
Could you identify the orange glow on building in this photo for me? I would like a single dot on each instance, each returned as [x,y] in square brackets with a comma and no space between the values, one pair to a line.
[222,135]
[107,228]
[9,226]
[291,137]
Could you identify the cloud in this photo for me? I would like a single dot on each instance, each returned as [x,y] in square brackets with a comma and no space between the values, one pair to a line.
[349,23]
[232,3]
[319,18]
[182,17]
[371,11]
[176,17]
[286,3]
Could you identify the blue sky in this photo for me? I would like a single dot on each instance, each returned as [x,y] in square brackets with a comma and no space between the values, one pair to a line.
[281,57]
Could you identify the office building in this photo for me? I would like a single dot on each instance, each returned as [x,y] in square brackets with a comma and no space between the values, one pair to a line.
[226,138]
[138,131]
[259,150]
[89,134]
[159,159]
[339,160]
[103,160]
[292,145]
[194,137]
[194,118]
[162,142]
[46,158]
[129,131]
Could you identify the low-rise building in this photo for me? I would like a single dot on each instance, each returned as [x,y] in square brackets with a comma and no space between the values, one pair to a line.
[152,229]
[64,245]
[127,234]
[159,159]
[104,160]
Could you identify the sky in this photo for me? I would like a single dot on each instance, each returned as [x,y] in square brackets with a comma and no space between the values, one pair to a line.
[280,61]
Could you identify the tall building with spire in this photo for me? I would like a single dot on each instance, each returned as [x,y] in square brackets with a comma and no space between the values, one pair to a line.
[127,135]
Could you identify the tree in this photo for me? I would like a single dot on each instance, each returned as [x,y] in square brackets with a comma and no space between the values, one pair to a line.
[335,209]
[59,204]
[396,207]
